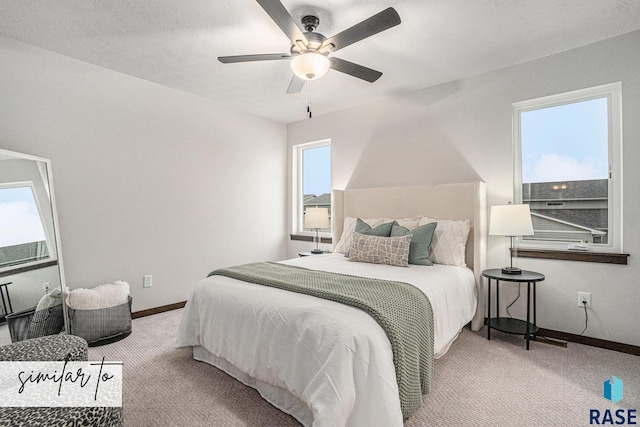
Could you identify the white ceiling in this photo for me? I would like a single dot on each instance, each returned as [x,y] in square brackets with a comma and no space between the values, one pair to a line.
[176,43]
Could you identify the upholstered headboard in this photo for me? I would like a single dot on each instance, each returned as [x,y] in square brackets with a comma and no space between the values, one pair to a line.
[439,201]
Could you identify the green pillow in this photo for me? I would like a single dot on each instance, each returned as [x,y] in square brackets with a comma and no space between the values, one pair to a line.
[383,230]
[420,241]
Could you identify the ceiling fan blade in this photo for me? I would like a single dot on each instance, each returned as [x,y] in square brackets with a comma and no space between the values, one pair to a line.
[296,85]
[250,58]
[377,23]
[355,70]
[276,10]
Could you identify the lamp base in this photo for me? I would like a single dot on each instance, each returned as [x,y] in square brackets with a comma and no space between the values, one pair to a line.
[511,270]
[317,251]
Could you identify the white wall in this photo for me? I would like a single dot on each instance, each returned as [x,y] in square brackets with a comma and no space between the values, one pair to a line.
[148,180]
[461,131]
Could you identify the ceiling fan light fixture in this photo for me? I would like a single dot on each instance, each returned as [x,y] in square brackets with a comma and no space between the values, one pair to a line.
[310,65]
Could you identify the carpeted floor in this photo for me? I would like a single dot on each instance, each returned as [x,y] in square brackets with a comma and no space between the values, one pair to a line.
[477,383]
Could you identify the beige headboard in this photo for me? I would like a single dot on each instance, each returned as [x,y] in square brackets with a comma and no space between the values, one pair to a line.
[439,201]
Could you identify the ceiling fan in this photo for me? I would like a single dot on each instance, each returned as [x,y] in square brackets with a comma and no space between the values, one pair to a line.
[310,50]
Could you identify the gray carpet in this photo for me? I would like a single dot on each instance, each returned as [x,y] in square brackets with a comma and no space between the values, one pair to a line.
[477,383]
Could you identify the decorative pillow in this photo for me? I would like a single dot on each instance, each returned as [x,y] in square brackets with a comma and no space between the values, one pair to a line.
[383,230]
[449,241]
[50,299]
[420,242]
[102,296]
[408,223]
[347,231]
[380,250]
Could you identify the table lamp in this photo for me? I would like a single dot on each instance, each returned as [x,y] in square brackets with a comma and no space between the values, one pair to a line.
[316,218]
[511,221]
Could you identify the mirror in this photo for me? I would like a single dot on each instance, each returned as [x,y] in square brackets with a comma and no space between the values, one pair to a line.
[30,256]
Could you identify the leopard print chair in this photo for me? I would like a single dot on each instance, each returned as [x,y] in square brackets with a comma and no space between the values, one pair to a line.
[54,348]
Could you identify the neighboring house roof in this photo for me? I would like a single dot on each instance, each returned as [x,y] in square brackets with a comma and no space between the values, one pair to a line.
[321,200]
[547,223]
[591,218]
[582,203]
[566,190]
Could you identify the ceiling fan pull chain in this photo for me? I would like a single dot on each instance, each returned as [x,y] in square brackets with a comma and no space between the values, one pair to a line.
[309,105]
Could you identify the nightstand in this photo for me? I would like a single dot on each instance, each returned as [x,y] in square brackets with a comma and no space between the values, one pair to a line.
[507,324]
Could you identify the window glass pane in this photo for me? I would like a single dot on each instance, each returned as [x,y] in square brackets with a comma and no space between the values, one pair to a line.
[565,171]
[22,237]
[316,178]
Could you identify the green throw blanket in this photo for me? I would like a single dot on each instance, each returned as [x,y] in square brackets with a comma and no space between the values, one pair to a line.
[402,310]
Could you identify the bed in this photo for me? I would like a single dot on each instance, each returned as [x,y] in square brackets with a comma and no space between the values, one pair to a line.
[325,363]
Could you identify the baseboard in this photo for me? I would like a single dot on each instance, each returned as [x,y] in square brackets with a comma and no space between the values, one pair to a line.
[594,342]
[156,310]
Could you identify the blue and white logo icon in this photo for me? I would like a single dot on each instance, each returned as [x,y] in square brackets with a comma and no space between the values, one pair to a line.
[613,389]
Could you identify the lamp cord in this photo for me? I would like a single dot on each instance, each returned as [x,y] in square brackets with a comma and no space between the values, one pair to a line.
[514,301]
[586,318]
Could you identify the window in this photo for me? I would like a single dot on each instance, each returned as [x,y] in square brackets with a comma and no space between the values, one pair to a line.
[568,168]
[312,188]
[22,233]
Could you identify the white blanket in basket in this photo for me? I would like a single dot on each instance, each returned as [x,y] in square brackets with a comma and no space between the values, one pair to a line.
[102,296]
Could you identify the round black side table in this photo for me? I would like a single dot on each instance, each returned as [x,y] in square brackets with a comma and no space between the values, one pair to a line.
[507,324]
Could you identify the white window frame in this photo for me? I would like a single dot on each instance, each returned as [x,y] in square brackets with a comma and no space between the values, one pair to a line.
[613,93]
[297,196]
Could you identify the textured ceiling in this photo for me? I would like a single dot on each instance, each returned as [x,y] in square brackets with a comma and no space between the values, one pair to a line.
[176,43]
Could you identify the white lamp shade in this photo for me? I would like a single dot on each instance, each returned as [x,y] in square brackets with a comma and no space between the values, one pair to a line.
[310,65]
[510,220]
[316,218]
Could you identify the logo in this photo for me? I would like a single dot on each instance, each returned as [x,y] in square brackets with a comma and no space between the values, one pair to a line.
[613,389]
[61,384]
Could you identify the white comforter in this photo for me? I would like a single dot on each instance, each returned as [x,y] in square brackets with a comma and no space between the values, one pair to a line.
[325,363]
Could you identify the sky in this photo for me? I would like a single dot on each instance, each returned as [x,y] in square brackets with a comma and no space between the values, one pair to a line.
[317,170]
[19,218]
[565,143]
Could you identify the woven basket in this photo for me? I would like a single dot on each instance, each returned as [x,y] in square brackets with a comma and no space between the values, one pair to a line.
[103,325]
[32,324]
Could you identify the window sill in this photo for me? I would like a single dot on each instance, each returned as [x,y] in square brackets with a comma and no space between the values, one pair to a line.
[305,238]
[28,267]
[586,256]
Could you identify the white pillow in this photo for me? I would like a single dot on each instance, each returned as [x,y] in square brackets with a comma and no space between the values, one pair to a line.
[449,241]
[102,296]
[50,299]
[347,232]
[408,223]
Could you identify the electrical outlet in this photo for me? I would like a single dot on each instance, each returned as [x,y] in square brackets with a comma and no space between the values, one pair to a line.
[45,287]
[147,281]
[584,297]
